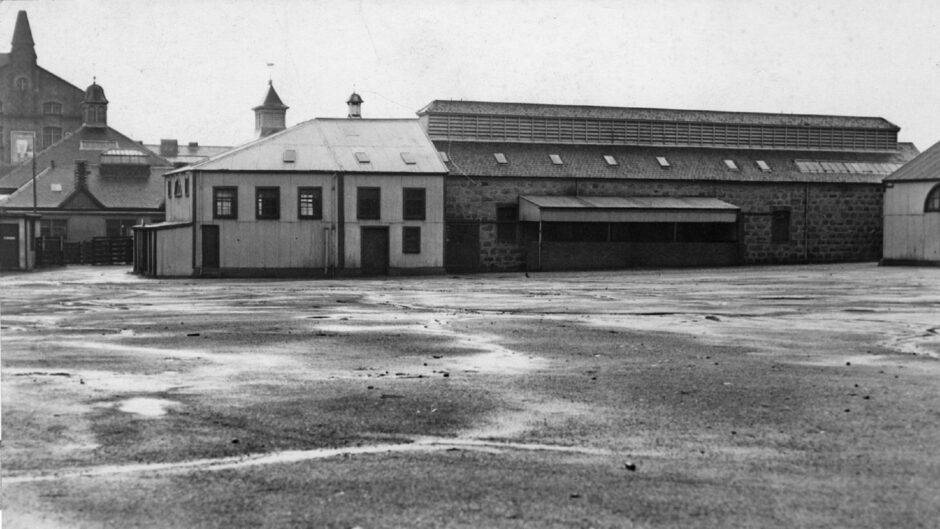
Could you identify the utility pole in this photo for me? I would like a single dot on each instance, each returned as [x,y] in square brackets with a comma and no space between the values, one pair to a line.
[32,155]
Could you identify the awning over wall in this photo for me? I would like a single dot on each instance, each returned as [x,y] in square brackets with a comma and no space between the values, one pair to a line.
[625,209]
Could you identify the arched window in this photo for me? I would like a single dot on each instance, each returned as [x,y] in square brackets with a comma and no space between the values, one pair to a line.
[933,200]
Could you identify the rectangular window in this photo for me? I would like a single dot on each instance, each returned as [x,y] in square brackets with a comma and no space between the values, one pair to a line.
[267,203]
[50,135]
[178,188]
[780,226]
[119,227]
[310,203]
[411,239]
[186,186]
[54,228]
[52,108]
[225,202]
[413,204]
[507,220]
[368,205]
[169,189]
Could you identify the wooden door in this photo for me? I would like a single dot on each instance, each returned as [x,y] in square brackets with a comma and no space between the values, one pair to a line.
[374,251]
[9,246]
[210,246]
[462,247]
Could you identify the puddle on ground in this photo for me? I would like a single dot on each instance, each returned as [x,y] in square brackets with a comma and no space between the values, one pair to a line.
[147,407]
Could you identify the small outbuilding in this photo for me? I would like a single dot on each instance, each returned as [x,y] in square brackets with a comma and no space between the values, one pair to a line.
[18,232]
[912,212]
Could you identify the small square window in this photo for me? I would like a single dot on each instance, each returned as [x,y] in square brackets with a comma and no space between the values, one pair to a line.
[731,165]
[310,203]
[408,158]
[763,166]
[610,160]
[290,156]
[500,158]
[556,159]
[411,239]
[362,157]
[267,203]
[663,162]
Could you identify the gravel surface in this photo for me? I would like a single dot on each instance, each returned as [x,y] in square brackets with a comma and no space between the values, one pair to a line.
[801,396]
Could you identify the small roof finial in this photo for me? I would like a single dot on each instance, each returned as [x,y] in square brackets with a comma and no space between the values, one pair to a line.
[270,67]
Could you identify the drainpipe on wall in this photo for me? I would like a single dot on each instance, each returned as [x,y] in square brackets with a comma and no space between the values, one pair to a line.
[540,244]
[193,196]
[805,220]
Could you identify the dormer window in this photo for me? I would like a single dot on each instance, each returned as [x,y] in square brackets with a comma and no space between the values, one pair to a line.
[763,166]
[556,159]
[500,158]
[663,162]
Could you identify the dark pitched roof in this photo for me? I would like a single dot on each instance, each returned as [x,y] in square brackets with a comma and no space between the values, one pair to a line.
[56,187]
[652,114]
[95,94]
[272,100]
[69,149]
[475,159]
[926,166]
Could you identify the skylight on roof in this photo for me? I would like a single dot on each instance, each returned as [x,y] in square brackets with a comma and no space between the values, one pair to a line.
[500,158]
[731,165]
[763,166]
[444,157]
[663,162]
[408,158]
[362,157]
[556,159]
[56,187]
[610,159]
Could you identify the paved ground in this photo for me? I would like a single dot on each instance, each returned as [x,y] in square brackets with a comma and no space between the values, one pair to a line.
[803,396]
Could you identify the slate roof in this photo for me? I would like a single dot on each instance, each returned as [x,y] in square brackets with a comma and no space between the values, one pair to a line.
[475,159]
[330,145]
[120,192]
[272,100]
[651,114]
[925,166]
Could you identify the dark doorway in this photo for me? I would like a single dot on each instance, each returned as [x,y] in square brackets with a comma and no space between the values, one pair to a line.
[210,246]
[374,251]
[462,247]
[9,246]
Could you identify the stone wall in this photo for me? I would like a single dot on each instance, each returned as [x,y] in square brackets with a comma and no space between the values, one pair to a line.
[828,222]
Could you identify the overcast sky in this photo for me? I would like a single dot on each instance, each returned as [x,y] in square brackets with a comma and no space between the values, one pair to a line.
[192,70]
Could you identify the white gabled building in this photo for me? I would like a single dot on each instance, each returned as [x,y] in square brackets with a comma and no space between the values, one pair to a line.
[912,212]
[325,197]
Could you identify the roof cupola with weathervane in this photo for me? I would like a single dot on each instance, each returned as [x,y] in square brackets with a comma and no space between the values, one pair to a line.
[271,115]
[95,106]
[355,105]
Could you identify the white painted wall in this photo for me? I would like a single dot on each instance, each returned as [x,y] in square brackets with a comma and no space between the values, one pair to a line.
[909,233]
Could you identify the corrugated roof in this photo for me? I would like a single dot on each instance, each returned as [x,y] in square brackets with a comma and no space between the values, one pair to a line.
[652,114]
[579,202]
[926,166]
[475,159]
[330,145]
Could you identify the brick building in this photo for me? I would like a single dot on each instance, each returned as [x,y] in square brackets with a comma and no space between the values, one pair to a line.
[37,108]
[576,187]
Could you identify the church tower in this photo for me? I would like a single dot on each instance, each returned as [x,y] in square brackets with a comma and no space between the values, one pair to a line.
[95,106]
[271,115]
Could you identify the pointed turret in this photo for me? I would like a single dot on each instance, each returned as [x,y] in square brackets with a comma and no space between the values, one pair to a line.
[271,115]
[95,106]
[23,47]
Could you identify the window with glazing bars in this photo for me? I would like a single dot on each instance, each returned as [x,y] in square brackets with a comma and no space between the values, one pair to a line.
[411,239]
[267,203]
[225,202]
[933,200]
[310,203]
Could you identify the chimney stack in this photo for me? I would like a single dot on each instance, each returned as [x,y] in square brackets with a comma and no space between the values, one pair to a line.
[169,148]
[81,174]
